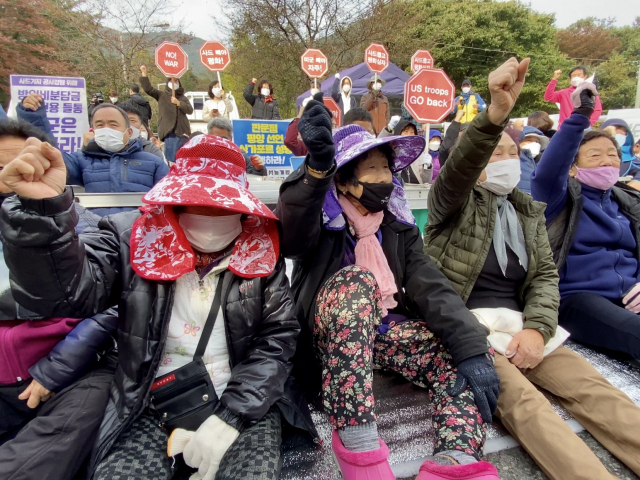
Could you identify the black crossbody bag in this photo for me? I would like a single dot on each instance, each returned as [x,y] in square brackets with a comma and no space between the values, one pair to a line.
[185,398]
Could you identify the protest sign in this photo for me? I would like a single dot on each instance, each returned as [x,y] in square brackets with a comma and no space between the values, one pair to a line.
[65,100]
[376,57]
[428,95]
[336,113]
[314,63]
[421,59]
[171,59]
[265,138]
[214,56]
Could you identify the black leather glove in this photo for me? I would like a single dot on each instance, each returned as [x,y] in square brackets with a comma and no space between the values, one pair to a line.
[315,129]
[584,99]
[478,372]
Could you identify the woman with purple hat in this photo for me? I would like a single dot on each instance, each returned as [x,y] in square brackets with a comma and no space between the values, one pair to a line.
[207,326]
[368,297]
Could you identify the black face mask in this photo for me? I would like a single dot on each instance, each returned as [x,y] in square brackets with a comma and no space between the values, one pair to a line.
[375,196]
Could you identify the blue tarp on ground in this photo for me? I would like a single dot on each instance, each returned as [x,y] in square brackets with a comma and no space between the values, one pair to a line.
[360,75]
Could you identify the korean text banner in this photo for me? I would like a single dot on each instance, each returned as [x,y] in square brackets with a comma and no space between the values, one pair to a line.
[65,99]
[265,138]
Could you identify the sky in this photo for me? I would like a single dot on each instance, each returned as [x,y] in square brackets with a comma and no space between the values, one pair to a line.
[567,12]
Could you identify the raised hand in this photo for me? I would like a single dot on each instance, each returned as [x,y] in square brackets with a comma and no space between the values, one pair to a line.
[556,74]
[33,101]
[38,172]
[143,70]
[505,85]
[584,98]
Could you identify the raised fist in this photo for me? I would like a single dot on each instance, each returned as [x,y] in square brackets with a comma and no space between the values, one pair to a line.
[33,101]
[556,74]
[37,172]
[143,70]
[505,85]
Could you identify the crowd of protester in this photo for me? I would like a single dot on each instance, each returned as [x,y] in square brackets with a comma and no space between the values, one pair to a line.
[168,342]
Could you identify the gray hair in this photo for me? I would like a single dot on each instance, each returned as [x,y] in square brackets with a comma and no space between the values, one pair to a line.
[221,123]
[111,105]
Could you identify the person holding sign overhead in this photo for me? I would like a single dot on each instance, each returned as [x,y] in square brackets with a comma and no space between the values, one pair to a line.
[265,107]
[173,125]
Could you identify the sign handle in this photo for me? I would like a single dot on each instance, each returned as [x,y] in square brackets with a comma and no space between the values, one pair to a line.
[315,83]
[219,80]
[173,88]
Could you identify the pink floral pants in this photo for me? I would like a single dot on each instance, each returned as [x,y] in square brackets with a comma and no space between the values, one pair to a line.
[348,313]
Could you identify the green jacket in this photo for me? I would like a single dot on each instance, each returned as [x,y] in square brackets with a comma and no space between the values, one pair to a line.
[462,217]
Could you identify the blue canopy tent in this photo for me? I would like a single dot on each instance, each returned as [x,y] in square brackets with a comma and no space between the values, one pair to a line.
[360,75]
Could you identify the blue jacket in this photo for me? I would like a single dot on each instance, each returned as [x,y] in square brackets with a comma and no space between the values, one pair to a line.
[3,115]
[602,257]
[630,163]
[99,171]
[527,167]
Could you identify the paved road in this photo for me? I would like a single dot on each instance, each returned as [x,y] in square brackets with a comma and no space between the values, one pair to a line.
[516,464]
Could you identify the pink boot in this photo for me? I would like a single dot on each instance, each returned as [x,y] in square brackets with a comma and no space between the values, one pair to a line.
[371,465]
[475,471]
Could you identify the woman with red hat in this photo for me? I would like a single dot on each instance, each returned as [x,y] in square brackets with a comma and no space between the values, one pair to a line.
[207,326]
[368,297]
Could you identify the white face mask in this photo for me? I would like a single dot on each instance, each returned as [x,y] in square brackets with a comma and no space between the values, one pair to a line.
[314,91]
[502,176]
[113,99]
[173,86]
[466,89]
[265,92]
[575,81]
[620,139]
[216,91]
[534,148]
[346,88]
[109,139]
[433,146]
[210,234]
[135,133]
[144,134]
[377,86]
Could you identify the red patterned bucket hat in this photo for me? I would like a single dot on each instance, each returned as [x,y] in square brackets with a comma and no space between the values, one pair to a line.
[210,171]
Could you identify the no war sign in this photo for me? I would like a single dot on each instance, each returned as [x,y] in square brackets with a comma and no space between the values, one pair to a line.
[428,95]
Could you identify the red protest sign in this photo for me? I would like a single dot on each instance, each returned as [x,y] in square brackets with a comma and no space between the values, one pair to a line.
[428,95]
[314,63]
[171,59]
[214,56]
[376,57]
[421,59]
[336,113]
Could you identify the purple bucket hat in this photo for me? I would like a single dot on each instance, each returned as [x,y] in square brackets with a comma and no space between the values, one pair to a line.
[352,141]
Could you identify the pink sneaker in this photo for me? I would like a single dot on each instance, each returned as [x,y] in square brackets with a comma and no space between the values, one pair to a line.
[475,471]
[361,465]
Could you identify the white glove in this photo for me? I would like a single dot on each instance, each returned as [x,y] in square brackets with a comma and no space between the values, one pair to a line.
[204,448]
[394,121]
[337,75]
[632,299]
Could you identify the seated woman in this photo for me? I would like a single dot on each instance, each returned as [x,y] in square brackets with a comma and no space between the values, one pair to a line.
[490,240]
[367,297]
[202,294]
[594,232]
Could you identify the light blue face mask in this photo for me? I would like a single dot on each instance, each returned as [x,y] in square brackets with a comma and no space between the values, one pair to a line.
[620,139]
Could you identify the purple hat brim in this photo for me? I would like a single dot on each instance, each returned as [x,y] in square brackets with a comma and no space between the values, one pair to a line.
[407,149]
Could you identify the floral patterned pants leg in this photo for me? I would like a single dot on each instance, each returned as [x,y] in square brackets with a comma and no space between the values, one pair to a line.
[348,313]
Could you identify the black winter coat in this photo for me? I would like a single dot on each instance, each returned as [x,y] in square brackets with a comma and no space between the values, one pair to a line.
[260,109]
[563,228]
[423,291]
[142,104]
[77,276]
